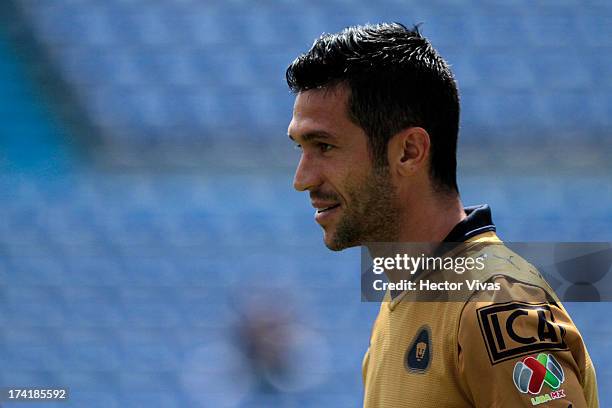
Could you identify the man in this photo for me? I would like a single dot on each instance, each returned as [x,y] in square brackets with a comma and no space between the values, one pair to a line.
[376,117]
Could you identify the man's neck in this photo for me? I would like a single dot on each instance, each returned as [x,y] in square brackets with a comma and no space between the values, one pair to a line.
[431,220]
[426,223]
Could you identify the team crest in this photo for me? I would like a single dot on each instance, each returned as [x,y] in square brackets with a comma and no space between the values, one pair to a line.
[531,374]
[418,355]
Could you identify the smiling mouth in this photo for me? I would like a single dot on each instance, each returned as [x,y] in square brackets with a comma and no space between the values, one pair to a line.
[322,210]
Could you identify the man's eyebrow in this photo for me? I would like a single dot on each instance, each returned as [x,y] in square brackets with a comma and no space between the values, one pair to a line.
[314,135]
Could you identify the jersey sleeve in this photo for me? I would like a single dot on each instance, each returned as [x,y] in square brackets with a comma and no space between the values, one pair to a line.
[519,348]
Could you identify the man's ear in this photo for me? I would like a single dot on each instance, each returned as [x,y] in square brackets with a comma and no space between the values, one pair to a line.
[408,150]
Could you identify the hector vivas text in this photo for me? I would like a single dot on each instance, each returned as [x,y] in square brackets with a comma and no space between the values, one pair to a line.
[404,263]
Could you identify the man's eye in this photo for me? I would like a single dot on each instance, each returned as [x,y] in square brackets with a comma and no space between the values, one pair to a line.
[297,146]
[324,147]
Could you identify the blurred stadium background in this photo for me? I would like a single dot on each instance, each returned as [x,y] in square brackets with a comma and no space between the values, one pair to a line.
[152,250]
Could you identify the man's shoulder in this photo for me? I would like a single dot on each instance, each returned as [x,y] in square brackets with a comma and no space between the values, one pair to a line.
[514,277]
[521,315]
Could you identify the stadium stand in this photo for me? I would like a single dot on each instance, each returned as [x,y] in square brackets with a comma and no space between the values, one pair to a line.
[128,287]
[188,70]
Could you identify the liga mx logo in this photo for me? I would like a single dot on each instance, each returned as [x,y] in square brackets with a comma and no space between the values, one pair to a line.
[531,374]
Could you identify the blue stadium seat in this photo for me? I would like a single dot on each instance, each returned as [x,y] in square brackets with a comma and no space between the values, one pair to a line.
[546,28]
[114,284]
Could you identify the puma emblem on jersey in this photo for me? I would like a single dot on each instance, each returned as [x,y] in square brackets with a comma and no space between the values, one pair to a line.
[418,355]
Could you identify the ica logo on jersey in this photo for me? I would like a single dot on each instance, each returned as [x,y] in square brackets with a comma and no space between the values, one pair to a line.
[516,329]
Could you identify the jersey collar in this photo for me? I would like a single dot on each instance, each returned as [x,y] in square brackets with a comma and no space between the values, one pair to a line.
[476,227]
[478,220]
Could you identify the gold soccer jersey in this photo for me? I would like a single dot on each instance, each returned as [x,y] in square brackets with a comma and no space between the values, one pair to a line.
[514,347]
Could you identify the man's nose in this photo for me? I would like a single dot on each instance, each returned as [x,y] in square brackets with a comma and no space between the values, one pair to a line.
[306,175]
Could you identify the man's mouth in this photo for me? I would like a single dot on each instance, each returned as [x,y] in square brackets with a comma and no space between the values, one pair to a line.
[326,212]
[322,210]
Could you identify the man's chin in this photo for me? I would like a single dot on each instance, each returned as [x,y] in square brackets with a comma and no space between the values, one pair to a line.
[334,246]
[333,243]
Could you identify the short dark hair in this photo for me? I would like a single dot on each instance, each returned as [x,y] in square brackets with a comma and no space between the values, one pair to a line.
[397,80]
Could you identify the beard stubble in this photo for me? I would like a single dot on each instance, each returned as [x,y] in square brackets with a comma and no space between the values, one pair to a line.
[371,216]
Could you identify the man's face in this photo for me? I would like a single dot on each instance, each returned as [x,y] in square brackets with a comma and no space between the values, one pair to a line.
[354,202]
